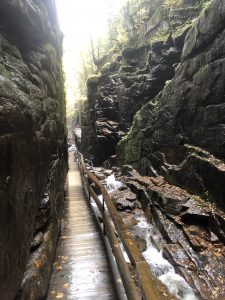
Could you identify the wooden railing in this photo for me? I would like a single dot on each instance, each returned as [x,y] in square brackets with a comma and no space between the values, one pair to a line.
[146,286]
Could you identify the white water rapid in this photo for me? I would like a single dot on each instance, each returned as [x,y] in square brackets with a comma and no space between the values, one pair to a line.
[160,267]
[112,184]
[163,269]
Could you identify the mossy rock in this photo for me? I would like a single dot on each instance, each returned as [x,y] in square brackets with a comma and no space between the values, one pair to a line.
[10,49]
[93,81]
[109,67]
[3,71]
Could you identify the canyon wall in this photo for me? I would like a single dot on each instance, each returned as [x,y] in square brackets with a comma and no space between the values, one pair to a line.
[180,133]
[155,114]
[32,145]
[130,78]
[159,105]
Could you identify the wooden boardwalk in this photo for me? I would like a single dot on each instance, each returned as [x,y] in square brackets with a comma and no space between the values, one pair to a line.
[81,269]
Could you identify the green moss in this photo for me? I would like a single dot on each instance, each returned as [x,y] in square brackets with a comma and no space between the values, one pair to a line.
[132,153]
[173,3]
[10,49]
[181,29]
[160,35]
[49,47]
[3,71]
[204,70]
[205,6]
[50,52]
[108,67]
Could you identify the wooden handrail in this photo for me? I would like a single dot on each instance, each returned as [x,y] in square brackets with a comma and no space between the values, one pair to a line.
[151,287]
[126,276]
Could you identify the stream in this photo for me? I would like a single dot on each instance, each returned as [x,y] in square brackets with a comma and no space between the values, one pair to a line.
[160,266]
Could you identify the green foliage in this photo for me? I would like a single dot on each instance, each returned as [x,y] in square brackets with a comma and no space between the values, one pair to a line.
[124,30]
[86,70]
[3,71]
[173,3]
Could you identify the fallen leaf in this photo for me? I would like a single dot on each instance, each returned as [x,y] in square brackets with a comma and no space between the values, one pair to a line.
[37,263]
[66,285]
[59,268]
[59,295]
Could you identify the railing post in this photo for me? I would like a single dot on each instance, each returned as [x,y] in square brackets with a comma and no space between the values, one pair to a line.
[89,193]
[103,213]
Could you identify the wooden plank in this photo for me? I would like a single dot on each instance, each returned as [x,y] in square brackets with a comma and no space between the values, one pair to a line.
[147,282]
[81,266]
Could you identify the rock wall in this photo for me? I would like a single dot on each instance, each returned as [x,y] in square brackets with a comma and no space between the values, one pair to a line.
[190,110]
[176,140]
[133,77]
[32,145]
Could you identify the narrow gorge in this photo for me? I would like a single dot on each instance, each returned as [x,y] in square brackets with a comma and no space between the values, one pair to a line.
[147,125]
[154,114]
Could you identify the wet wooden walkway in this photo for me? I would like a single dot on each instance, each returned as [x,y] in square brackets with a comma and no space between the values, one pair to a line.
[81,269]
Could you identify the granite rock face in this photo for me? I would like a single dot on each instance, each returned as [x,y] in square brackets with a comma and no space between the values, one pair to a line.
[176,141]
[32,145]
[131,78]
[189,231]
[190,110]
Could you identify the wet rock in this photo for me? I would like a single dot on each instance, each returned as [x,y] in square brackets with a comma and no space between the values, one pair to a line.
[107,172]
[115,169]
[39,265]
[187,229]
[130,221]
[100,176]
[32,134]
[122,204]
[141,243]
[193,116]
[141,73]
[37,240]
[111,162]
[201,173]
[156,46]
[128,170]
[124,200]
[205,30]
[43,214]
[130,196]
[196,215]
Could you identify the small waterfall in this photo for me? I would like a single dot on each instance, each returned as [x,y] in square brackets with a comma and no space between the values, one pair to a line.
[112,184]
[162,269]
[72,148]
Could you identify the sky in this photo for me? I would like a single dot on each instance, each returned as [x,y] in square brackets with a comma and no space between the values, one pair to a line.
[80,19]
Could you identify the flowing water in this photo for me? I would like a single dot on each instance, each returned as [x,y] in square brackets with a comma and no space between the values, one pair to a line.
[112,184]
[160,266]
[162,269]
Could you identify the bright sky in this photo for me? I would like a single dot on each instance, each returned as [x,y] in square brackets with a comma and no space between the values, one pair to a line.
[80,19]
